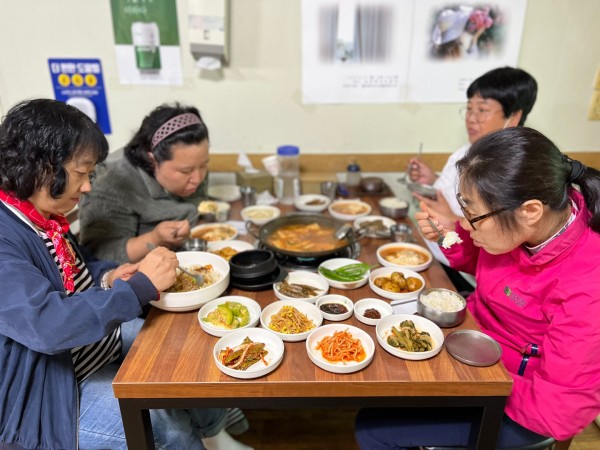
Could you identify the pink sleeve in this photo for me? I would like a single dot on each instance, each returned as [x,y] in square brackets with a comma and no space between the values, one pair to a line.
[562,395]
[462,256]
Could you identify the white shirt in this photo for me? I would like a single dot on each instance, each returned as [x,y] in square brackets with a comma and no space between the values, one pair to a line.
[447,183]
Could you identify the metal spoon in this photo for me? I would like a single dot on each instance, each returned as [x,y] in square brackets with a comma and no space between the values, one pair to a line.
[197,277]
[342,232]
[406,178]
[440,240]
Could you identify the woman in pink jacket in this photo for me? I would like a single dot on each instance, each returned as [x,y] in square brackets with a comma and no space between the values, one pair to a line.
[532,241]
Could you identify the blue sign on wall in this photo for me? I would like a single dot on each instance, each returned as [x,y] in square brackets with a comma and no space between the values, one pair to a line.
[79,82]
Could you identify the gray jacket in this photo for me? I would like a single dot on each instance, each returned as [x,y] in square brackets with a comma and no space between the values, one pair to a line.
[124,203]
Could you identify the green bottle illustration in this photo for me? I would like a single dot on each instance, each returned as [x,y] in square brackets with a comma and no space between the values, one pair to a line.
[146,44]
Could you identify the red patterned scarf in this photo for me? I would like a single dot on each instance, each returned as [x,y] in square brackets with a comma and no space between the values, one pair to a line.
[55,228]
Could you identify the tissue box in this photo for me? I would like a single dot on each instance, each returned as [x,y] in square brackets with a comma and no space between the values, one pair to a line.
[262,180]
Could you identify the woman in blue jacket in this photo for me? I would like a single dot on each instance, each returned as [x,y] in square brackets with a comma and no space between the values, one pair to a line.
[61,310]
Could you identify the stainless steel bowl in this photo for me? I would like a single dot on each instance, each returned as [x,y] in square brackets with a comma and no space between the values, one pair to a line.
[443,319]
[393,207]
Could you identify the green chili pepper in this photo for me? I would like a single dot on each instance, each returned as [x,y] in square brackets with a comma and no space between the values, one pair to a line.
[348,273]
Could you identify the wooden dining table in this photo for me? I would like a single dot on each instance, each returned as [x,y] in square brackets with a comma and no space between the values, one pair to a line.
[170,365]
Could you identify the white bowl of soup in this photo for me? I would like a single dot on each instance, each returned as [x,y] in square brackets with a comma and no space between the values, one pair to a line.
[349,209]
[185,295]
[404,255]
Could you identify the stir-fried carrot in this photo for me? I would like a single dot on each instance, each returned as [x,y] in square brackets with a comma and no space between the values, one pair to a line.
[341,347]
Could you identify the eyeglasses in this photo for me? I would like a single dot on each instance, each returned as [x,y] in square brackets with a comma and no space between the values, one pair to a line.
[480,115]
[80,176]
[473,219]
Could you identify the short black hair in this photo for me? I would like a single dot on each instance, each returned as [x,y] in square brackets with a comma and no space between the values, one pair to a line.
[514,89]
[136,151]
[37,138]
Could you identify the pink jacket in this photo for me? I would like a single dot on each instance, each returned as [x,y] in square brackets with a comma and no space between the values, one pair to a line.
[550,300]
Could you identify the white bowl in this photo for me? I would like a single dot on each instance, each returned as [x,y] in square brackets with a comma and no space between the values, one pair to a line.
[339,367]
[387,272]
[225,192]
[307,278]
[260,214]
[384,308]
[384,328]
[211,232]
[336,263]
[220,210]
[387,251]
[385,221]
[273,345]
[302,202]
[187,301]
[238,246]
[339,299]
[308,309]
[349,209]
[214,330]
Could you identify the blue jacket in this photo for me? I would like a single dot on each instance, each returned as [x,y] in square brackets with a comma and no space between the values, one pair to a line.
[39,325]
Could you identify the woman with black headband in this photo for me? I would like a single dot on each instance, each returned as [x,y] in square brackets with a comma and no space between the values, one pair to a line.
[531,236]
[148,196]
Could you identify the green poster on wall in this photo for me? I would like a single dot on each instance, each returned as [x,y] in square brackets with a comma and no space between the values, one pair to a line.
[147,41]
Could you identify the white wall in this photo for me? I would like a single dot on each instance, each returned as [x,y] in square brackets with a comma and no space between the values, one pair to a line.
[256,105]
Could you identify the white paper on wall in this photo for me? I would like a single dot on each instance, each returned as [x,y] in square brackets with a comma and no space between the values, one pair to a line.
[394,51]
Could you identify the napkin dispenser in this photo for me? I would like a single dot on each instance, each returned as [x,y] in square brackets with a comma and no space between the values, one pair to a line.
[260,179]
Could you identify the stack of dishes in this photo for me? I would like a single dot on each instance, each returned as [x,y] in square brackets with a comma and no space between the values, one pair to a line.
[255,270]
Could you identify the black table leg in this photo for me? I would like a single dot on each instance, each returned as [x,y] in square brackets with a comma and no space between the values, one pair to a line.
[137,425]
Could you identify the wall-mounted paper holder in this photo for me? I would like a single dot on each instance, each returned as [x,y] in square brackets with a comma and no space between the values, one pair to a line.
[208,33]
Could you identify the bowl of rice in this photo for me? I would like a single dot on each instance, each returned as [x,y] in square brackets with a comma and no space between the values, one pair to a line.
[442,306]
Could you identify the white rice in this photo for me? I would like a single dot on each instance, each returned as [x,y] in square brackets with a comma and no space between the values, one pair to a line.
[450,239]
[442,301]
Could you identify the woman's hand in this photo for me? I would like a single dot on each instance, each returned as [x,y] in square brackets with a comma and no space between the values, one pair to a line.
[123,272]
[419,172]
[439,207]
[171,233]
[428,232]
[159,266]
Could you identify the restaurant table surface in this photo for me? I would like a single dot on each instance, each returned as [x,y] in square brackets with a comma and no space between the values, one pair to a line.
[170,365]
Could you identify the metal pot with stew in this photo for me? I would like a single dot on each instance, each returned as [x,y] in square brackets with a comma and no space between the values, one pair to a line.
[303,235]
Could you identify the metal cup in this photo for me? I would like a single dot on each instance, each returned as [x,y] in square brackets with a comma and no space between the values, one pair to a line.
[248,195]
[329,189]
[401,232]
[195,245]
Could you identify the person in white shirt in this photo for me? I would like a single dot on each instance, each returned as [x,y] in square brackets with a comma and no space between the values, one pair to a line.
[500,98]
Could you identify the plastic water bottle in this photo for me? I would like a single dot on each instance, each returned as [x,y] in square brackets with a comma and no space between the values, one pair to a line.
[353,176]
[287,181]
